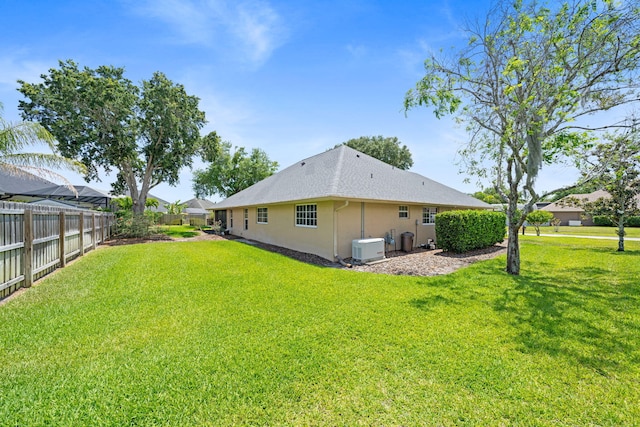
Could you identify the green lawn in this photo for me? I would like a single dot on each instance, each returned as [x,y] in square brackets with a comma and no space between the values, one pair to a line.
[178,231]
[586,231]
[223,333]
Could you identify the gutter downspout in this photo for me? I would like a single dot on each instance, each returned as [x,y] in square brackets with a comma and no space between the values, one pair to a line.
[335,228]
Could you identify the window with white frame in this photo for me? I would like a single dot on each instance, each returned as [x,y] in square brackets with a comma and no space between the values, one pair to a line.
[429,215]
[262,215]
[403,211]
[307,215]
[246,219]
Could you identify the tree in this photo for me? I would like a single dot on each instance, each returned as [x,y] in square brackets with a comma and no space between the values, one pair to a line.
[15,137]
[126,203]
[387,150]
[175,208]
[528,73]
[488,195]
[147,133]
[618,164]
[538,218]
[230,172]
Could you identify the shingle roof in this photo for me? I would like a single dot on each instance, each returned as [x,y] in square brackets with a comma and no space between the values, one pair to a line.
[590,197]
[200,204]
[344,173]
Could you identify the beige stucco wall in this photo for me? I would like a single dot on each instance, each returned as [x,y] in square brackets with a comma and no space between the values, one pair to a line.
[380,219]
[565,217]
[281,229]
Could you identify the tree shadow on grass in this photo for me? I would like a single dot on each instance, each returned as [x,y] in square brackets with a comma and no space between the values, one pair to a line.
[578,313]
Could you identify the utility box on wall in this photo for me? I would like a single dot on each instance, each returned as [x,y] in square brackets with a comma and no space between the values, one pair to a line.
[367,250]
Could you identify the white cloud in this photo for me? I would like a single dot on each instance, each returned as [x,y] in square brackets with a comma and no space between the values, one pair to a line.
[248,30]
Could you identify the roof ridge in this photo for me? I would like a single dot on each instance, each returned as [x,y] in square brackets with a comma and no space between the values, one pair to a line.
[338,170]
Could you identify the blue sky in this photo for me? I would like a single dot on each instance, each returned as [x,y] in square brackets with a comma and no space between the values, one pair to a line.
[293,78]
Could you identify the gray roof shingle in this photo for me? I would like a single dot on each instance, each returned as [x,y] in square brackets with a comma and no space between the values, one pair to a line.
[344,173]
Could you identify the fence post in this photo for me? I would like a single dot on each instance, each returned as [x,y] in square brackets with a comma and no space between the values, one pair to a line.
[81,226]
[28,248]
[63,255]
[93,230]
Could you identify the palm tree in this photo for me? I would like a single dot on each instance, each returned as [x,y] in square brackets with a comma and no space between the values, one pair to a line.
[15,137]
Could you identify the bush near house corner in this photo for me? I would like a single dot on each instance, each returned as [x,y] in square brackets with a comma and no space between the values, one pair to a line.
[462,231]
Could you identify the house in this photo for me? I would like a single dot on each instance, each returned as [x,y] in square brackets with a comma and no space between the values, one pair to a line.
[574,215]
[321,204]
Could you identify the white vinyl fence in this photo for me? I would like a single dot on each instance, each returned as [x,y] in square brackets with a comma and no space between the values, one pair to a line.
[35,240]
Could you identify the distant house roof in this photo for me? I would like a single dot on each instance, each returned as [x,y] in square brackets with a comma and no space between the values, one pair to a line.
[200,204]
[344,173]
[590,197]
[196,211]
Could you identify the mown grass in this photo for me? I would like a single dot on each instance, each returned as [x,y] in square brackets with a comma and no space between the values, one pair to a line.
[223,333]
[586,231]
[178,231]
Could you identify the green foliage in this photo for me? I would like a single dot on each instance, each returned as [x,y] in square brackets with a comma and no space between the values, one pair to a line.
[462,231]
[586,188]
[488,195]
[223,333]
[386,149]
[148,132]
[129,224]
[538,218]
[16,137]
[527,74]
[633,221]
[602,221]
[230,173]
[175,208]
[617,162]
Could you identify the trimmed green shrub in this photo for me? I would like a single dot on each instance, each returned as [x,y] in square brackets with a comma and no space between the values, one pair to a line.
[462,231]
[633,221]
[602,221]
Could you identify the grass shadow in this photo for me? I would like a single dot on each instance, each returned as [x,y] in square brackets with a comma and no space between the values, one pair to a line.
[576,314]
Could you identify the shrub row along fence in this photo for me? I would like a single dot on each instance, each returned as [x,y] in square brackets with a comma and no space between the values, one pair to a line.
[36,240]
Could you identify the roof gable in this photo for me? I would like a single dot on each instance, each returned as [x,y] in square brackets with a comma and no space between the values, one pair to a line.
[344,173]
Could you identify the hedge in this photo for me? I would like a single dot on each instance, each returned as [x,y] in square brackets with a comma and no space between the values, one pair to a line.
[604,221]
[462,231]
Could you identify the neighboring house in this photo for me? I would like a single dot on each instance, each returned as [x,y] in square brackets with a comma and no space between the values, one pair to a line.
[321,204]
[574,215]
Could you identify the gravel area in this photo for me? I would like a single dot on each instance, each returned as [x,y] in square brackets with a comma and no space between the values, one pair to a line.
[419,262]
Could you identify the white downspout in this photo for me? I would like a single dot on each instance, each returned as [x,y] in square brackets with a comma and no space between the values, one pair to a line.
[335,228]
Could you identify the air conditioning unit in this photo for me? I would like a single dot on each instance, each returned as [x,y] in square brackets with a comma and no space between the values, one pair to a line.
[367,250]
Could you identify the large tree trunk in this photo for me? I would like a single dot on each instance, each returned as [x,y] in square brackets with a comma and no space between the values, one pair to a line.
[513,250]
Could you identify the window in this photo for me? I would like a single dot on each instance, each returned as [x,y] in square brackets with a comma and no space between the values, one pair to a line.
[307,215]
[429,215]
[403,211]
[246,219]
[230,218]
[262,215]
